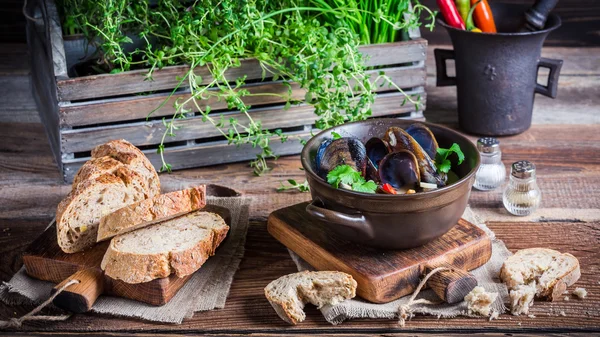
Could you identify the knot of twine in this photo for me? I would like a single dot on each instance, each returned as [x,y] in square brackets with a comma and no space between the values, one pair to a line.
[18,322]
[405,311]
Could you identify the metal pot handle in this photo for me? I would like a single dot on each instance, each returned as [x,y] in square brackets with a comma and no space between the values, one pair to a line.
[552,87]
[355,221]
[441,55]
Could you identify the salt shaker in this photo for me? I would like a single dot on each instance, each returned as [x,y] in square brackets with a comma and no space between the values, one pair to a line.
[491,172]
[522,196]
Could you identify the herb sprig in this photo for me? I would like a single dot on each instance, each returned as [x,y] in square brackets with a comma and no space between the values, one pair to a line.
[346,176]
[443,163]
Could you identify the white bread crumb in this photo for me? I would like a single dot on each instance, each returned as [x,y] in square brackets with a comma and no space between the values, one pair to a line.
[581,293]
[494,315]
[479,301]
[562,313]
[519,324]
[566,298]
[531,316]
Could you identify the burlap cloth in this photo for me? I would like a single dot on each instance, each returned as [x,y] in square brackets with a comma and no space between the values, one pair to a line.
[487,277]
[207,289]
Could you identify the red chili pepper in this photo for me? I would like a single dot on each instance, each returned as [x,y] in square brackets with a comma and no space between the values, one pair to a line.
[451,14]
[387,188]
[483,16]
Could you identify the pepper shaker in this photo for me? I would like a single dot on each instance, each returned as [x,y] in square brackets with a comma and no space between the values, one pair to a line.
[522,196]
[491,172]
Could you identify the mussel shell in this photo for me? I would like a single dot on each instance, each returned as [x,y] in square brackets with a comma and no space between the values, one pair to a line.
[399,140]
[424,137]
[320,152]
[377,148]
[401,170]
[342,151]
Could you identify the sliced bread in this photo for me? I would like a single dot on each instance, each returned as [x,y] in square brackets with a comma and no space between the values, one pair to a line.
[146,212]
[548,271]
[78,215]
[178,246]
[126,153]
[288,294]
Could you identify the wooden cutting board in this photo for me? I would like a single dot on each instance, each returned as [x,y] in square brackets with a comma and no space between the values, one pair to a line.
[385,275]
[45,260]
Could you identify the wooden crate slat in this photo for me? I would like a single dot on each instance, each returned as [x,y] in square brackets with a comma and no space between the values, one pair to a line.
[138,107]
[204,154]
[150,133]
[106,85]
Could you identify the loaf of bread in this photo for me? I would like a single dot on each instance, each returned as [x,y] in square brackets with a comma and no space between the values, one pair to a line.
[288,294]
[117,175]
[123,152]
[150,211]
[539,272]
[78,215]
[178,246]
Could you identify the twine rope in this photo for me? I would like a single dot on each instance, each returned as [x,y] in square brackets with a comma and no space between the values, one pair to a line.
[17,322]
[405,311]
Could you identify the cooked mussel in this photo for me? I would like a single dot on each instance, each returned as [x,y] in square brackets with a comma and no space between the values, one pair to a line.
[376,148]
[424,137]
[398,140]
[342,151]
[320,152]
[401,170]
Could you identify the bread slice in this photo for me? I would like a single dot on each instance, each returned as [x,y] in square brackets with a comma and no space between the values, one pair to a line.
[479,301]
[126,153]
[288,294]
[180,246]
[146,212]
[78,215]
[549,271]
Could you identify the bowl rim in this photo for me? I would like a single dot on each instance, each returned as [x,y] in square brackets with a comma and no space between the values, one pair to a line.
[305,160]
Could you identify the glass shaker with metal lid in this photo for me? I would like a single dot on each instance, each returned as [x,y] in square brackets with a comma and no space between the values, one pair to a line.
[491,172]
[522,196]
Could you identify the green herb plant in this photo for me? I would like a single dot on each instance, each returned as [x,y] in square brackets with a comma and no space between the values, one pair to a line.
[313,43]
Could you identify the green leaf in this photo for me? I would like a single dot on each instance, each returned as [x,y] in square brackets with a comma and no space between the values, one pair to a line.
[335,135]
[366,187]
[441,160]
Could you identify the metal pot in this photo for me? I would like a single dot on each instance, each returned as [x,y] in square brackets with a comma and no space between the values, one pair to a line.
[390,221]
[496,74]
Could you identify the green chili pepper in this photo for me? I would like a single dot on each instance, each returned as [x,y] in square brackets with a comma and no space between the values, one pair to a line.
[469,23]
[463,8]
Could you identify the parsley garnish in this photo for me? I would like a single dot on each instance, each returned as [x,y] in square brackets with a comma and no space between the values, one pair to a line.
[441,160]
[335,135]
[344,174]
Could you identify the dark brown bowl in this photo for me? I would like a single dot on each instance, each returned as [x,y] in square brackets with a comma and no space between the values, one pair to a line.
[384,220]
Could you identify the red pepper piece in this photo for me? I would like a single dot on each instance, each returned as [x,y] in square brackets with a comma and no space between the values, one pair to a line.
[387,188]
[451,14]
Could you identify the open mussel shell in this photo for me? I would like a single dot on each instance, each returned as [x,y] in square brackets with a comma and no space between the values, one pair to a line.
[377,148]
[401,170]
[399,140]
[342,151]
[320,152]
[424,137]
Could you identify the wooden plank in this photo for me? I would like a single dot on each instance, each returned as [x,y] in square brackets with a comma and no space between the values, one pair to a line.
[105,85]
[138,107]
[150,133]
[247,310]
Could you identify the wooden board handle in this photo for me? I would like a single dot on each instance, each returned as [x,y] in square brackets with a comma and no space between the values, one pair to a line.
[80,297]
[451,285]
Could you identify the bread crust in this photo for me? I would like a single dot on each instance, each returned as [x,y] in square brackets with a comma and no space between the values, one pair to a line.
[94,168]
[150,211]
[126,153]
[141,267]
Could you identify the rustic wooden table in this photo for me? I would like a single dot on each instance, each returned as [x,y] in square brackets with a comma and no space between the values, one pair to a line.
[564,142]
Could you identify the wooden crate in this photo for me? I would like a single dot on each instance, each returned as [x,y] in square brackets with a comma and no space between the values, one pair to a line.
[82,112]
